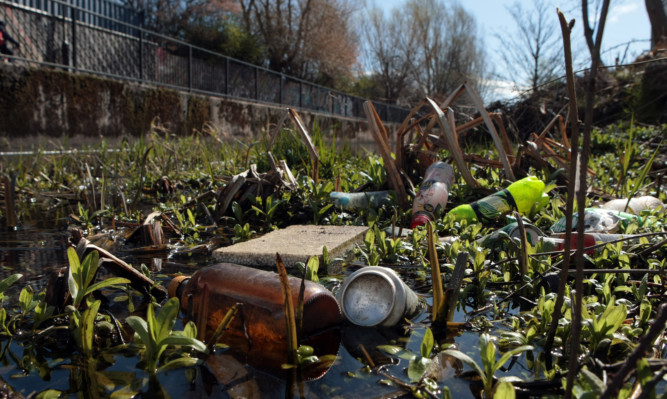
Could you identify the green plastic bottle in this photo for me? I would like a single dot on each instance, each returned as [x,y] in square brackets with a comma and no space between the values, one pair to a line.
[520,196]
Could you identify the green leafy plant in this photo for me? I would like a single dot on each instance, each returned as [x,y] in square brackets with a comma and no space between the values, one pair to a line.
[28,303]
[7,282]
[375,173]
[82,327]
[490,365]
[4,284]
[419,363]
[268,214]
[369,252]
[388,247]
[81,275]
[242,233]
[318,199]
[601,328]
[312,268]
[238,212]
[156,336]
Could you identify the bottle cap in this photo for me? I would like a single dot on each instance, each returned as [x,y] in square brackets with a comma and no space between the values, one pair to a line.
[419,220]
[174,284]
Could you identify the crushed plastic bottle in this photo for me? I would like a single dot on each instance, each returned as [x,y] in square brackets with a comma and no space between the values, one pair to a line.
[597,220]
[523,196]
[635,205]
[363,200]
[433,193]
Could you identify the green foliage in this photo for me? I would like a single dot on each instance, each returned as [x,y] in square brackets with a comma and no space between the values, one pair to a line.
[419,363]
[81,275]
[271,207]
[369,252]
[82,327]
[601,328]
[375,173]
[156,335]
[517,308]
[490,365]
[310,269]
[318,199]
[7,282]
[242,233]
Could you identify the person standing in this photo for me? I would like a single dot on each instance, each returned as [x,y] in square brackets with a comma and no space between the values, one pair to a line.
[4,38]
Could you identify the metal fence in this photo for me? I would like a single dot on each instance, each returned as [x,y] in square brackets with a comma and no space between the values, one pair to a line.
[102,13]
[72,36]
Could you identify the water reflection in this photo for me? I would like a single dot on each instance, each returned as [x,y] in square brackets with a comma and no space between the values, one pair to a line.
[42,365]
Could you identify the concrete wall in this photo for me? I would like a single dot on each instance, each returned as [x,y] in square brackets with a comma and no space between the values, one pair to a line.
[51,103]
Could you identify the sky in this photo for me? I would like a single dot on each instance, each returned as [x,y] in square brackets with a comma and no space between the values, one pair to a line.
[627,21]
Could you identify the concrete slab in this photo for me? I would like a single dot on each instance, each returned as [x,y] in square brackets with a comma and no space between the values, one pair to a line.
[294,244]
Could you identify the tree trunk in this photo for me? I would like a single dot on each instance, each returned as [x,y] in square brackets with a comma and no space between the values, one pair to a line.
[656,14]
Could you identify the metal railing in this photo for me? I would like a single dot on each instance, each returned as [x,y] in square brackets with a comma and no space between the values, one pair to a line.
[82,40]
[101,13]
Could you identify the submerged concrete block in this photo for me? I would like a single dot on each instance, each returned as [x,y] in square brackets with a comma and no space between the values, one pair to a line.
[294,244]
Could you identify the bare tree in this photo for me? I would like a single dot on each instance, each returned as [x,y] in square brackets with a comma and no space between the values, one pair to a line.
[657,14]
[304,38]
[389,51]
[532,57]
[424,48]
[462,58]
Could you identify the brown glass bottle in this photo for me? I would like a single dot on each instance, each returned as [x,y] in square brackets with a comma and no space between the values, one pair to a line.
[259,329]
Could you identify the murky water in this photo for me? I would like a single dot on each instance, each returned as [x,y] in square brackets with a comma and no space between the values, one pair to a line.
[37,250]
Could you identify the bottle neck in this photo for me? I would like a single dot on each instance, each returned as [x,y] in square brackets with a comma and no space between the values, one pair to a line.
[181,287]
[176,286]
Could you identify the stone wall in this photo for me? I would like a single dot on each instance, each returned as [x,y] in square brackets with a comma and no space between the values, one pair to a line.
[52,103]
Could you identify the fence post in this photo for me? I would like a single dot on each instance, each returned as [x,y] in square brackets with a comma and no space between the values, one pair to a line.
[73,12]
[300,94]
[256,84]
[141,45]
[227,75]
[189,67]
[282,85]
[141,54]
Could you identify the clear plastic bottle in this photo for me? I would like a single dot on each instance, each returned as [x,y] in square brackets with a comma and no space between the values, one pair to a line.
[259,329]
[522,196]
[433,193]
[363,200]
[635,205]
[597,220]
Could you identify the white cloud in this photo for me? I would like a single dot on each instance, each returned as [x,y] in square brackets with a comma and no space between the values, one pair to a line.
[502,90]
[617,13]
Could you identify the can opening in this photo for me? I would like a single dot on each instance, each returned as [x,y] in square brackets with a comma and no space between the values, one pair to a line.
[368,299]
